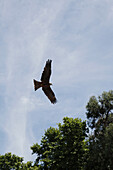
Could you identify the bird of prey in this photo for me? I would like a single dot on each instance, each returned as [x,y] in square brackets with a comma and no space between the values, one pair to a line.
[45,82]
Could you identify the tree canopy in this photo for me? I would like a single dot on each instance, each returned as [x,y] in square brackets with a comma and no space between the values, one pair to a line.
[63,147]
[99,109]
[13,162]
[100,119]
[74,144]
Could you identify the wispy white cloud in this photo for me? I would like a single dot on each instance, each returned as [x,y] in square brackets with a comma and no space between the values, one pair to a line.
[27,30]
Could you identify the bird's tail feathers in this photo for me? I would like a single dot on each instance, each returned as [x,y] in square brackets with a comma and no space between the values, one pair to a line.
[37,84]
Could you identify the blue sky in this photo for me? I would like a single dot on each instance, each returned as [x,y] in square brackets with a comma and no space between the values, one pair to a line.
[78,37]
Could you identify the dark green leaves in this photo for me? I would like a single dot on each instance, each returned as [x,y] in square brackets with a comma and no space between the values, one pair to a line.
[99,108]
[100,119]
[64,147]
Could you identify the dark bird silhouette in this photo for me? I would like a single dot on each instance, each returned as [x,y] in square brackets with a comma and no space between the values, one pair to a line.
[45,82]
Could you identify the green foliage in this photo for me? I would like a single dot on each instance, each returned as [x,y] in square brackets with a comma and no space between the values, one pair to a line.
[100,118]
[9,161]
[98,110]
[13,162]
[66,147]
[108,152]
[62,148]
[101,150]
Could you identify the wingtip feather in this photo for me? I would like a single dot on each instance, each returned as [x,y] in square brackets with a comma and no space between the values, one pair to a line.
[54,101]
[49,61]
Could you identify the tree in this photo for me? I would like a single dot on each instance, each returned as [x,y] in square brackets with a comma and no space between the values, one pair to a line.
[108,152]
[13,162]
[63,147]
[101,149]
[99,109]
[100,119]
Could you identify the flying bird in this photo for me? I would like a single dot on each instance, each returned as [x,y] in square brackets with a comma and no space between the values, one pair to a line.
[45,82]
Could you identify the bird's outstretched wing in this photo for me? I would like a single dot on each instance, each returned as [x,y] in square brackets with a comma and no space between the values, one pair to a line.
[46,73]
[50,94]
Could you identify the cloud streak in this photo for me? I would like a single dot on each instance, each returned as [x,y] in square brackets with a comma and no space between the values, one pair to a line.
[26,37]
